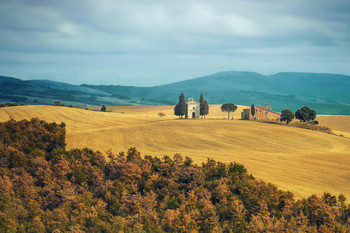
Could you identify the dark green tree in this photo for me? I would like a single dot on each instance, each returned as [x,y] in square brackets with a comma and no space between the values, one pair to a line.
[204,107]
[180,108]
[305,114]
[103,108]
[229,107]
[312,115]
[287,116]
[252,110]
[201,99]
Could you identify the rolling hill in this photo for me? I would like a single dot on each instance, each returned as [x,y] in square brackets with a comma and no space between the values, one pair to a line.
[326,93]
[299,160]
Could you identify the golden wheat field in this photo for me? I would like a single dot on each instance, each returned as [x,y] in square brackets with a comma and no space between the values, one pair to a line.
[339,124]
[299,160]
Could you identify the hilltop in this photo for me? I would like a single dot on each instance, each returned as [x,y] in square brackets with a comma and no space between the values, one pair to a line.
[299,160]
[327,93]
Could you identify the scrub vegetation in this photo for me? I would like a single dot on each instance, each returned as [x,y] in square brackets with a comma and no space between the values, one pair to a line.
[45,188]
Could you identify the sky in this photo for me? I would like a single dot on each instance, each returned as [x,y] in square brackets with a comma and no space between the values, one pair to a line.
[147,43]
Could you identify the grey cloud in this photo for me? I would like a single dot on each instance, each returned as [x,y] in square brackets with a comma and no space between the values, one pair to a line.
[153,42]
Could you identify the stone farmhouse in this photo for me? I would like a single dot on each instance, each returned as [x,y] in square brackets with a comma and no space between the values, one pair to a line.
[192,109]
[261,113]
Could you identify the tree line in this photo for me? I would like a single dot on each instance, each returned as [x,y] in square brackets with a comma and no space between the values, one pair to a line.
[304,114]
[46,188]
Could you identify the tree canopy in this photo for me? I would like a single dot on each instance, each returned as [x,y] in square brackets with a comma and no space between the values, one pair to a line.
[228,107]
[305,114]
[287,116]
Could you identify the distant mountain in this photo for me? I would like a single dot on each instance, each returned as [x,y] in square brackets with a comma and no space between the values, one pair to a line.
[326,93]
[67,87]
[47,92]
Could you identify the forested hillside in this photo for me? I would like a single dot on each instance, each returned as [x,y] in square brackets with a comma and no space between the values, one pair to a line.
[44,188]
[327,93]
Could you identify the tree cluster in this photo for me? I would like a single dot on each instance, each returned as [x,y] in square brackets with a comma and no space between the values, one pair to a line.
[305,114]
[45,188]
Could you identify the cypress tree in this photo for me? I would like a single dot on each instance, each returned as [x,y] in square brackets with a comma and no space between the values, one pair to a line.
[201,99]
[204,107]
[103,108]
[201,105]
[252,109]
[180,108]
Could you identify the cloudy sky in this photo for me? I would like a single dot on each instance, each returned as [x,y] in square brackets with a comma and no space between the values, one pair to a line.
[144,43]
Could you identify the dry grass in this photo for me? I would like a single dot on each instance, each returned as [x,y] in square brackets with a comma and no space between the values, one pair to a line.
[340,125]
[152,111]
[300,160]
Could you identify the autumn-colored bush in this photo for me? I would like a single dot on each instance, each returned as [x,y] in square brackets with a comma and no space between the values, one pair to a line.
[45,188]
